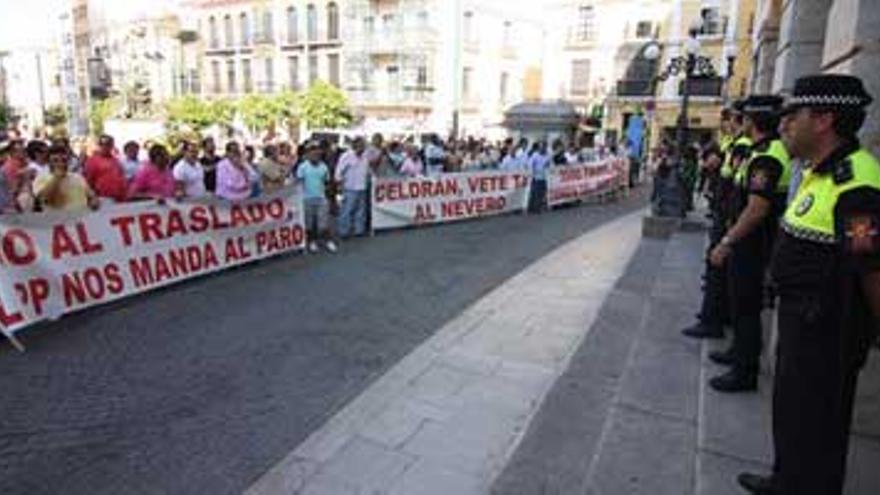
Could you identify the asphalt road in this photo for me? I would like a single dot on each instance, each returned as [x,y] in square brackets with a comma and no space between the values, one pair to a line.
[201,387]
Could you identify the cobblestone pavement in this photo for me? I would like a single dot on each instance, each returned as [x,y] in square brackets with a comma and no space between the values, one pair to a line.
[200,388]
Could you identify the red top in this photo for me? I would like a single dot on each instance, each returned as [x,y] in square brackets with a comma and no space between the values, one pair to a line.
[150,181]
[105,176]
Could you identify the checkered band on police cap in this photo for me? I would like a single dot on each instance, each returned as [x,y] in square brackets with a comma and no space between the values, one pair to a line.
[829,90]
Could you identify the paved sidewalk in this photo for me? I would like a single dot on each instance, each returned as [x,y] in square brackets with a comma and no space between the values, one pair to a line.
[633,413]
[446,418]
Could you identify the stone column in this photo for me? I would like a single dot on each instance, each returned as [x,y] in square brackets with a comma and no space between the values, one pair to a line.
[765,45]
[801,41]
[852,46]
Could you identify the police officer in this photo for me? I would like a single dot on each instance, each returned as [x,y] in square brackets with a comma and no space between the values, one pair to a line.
[827,271]
[714,310]
[762,185]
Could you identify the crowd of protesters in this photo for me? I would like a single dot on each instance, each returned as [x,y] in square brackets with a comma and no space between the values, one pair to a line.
[40,175]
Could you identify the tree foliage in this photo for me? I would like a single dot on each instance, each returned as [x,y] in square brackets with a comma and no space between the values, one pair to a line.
[99,112]
[324,106]
[55,116]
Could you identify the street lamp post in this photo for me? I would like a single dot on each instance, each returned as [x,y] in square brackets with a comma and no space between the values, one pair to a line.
[694,67]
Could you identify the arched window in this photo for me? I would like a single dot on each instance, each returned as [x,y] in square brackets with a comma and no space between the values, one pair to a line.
[312,21]
[212,32]
[245,28]
[332,21]
[292,32]
[227,30]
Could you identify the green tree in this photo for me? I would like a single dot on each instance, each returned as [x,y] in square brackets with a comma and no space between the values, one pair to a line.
[7,115]
[258,111]
[324,106]
[99,112]
[55,116]
[190,111]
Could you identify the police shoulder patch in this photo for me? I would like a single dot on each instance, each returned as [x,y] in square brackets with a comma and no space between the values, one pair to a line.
[862,234]
[804,206]
[843,172]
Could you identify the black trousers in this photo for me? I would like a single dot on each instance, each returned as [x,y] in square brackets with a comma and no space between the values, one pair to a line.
[746,278]
[715,308]
[813,399]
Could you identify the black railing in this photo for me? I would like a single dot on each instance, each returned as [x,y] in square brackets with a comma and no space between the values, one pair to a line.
[635,87]
[709,86]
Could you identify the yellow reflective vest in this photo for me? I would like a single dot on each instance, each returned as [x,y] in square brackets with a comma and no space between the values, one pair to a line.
[810,216]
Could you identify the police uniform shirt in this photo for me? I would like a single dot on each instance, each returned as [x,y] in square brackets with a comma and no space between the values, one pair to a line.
[806,267]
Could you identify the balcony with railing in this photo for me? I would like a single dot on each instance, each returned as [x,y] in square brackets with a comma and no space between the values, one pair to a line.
[397,98]
[629,88]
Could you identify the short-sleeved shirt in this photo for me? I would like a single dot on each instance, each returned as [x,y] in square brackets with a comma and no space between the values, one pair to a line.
[209,165]
[192,175]
[233,183]
[105,176]
[272,174]
[314,177]
[72,193]
[352,170]
[152,181]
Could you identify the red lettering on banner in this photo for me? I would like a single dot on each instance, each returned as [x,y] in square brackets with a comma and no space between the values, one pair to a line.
[472,207]
[88,247]
[175,224]
[62,243]
[420,189]
[216,224]
[150,224]
[123,224]
[91,284]
[115,284]
[424,213]
[257,212]
[486,184]
[39,291]
[18,248]
[9,319]
[160,267]
[198,219]
[239,219]
[280,239]
[232,254]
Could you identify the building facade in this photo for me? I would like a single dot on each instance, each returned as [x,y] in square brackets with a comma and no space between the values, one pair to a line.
[719,31]
[266,46]
[438,65]
[793,38]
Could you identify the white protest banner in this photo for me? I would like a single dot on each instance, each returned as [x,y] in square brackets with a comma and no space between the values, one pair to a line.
[570,183]
[401,202]
[55,263]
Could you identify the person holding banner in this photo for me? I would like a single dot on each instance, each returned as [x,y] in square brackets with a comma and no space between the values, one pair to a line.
[61,190]
[352,171]
[104,173]
[233,177]
[189,174]
[154,180]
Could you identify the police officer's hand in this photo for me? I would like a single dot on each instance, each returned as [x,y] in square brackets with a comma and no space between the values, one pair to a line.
[719,255]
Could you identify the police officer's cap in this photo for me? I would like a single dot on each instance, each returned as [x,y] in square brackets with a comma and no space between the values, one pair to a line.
[837,91]
[762,104]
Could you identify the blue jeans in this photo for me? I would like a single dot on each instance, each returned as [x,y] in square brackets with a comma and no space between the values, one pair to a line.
[354,210]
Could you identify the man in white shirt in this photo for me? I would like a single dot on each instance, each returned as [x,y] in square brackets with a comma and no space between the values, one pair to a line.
[352,171]
[130,162]
[189,176]
[38,157]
